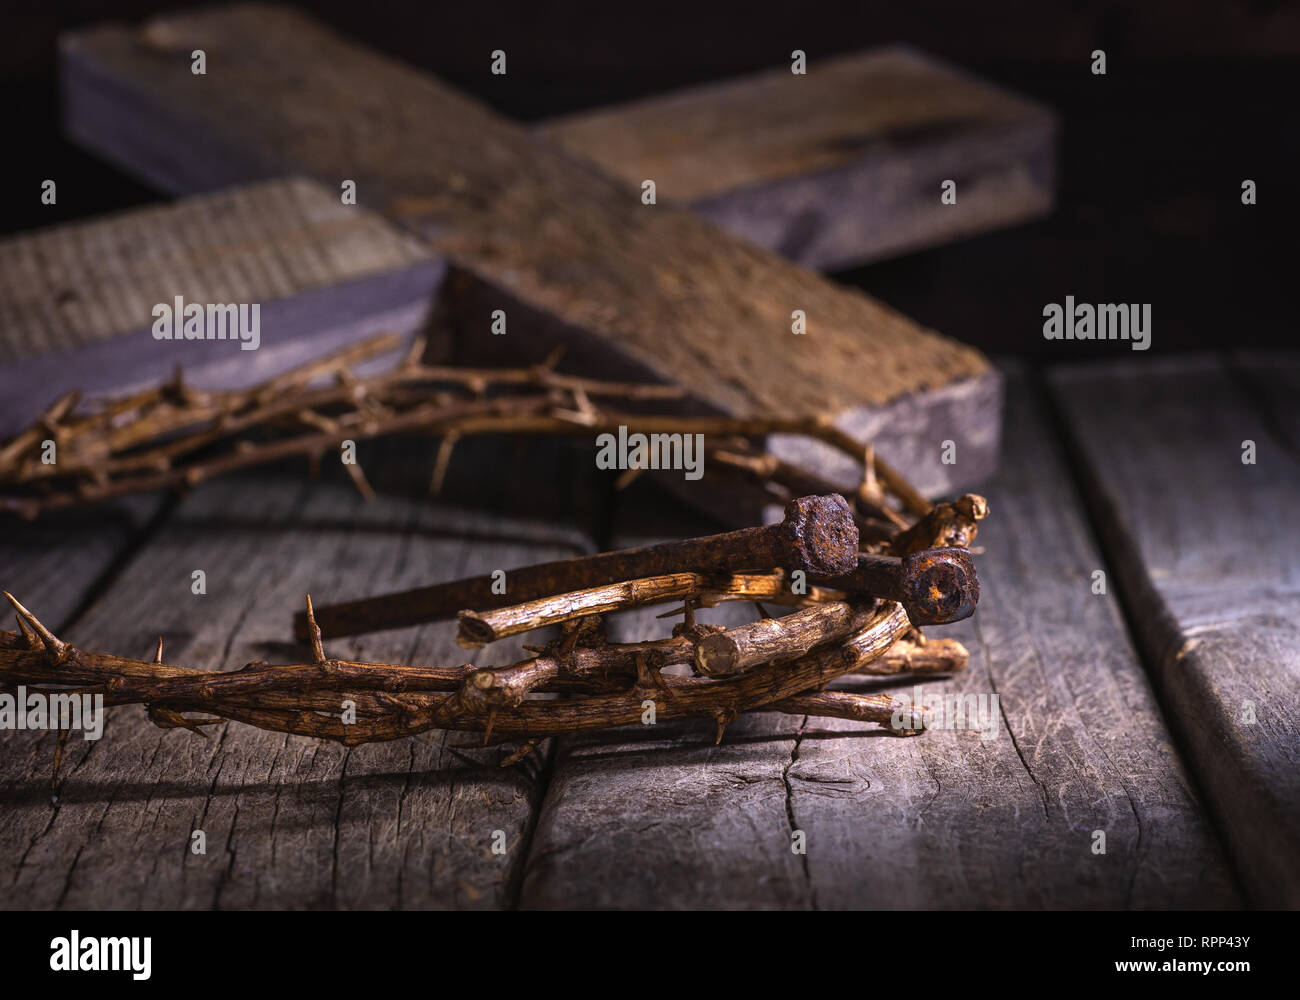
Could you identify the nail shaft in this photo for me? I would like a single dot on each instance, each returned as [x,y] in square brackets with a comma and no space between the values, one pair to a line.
[818,536]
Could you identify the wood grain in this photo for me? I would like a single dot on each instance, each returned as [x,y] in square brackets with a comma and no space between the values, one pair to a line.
[571,255]
[1210,568]
[837,167]
[62,561]
[290,823]
[76,301]
[946,819]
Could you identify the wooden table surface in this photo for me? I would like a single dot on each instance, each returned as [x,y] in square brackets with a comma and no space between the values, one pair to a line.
[1161,713]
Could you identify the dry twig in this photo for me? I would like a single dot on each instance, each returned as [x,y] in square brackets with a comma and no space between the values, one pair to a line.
[779,664]
[176,436]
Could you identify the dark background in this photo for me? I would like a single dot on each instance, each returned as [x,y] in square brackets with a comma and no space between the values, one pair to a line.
[1197,97]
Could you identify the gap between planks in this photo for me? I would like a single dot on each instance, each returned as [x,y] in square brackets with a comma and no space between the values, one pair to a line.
[258,803]
[1207,570]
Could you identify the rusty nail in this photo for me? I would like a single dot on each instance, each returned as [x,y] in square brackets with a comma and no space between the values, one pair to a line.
[818,536]
[934,586]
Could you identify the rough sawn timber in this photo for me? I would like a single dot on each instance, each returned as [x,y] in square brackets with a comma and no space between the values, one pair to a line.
[77,300]
[289,822]
[1207,556]
[836,167]
[573,256]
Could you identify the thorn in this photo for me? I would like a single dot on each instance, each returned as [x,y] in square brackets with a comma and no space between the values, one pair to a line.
[55,646]
[525,748]
[487,733]
[359,480]
[313,633]
[648,677]
[574,416]
[33,641]
[583,402]
[166,718]
[573,632]
[442,462]
[157,656]
[58,758]
[762,611]
[405,713]
[644,678]
[723,718]
[415,353]
[553,358]
[625,480]
[869,488]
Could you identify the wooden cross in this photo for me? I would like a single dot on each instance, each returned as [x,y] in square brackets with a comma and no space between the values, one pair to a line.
[574,256]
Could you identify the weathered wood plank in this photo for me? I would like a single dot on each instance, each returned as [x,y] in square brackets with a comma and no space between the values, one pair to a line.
[946,819]
[60,561]
[1211,570]
[290,823]
[837,167]
[75,312]
[574,257]
[76,301]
